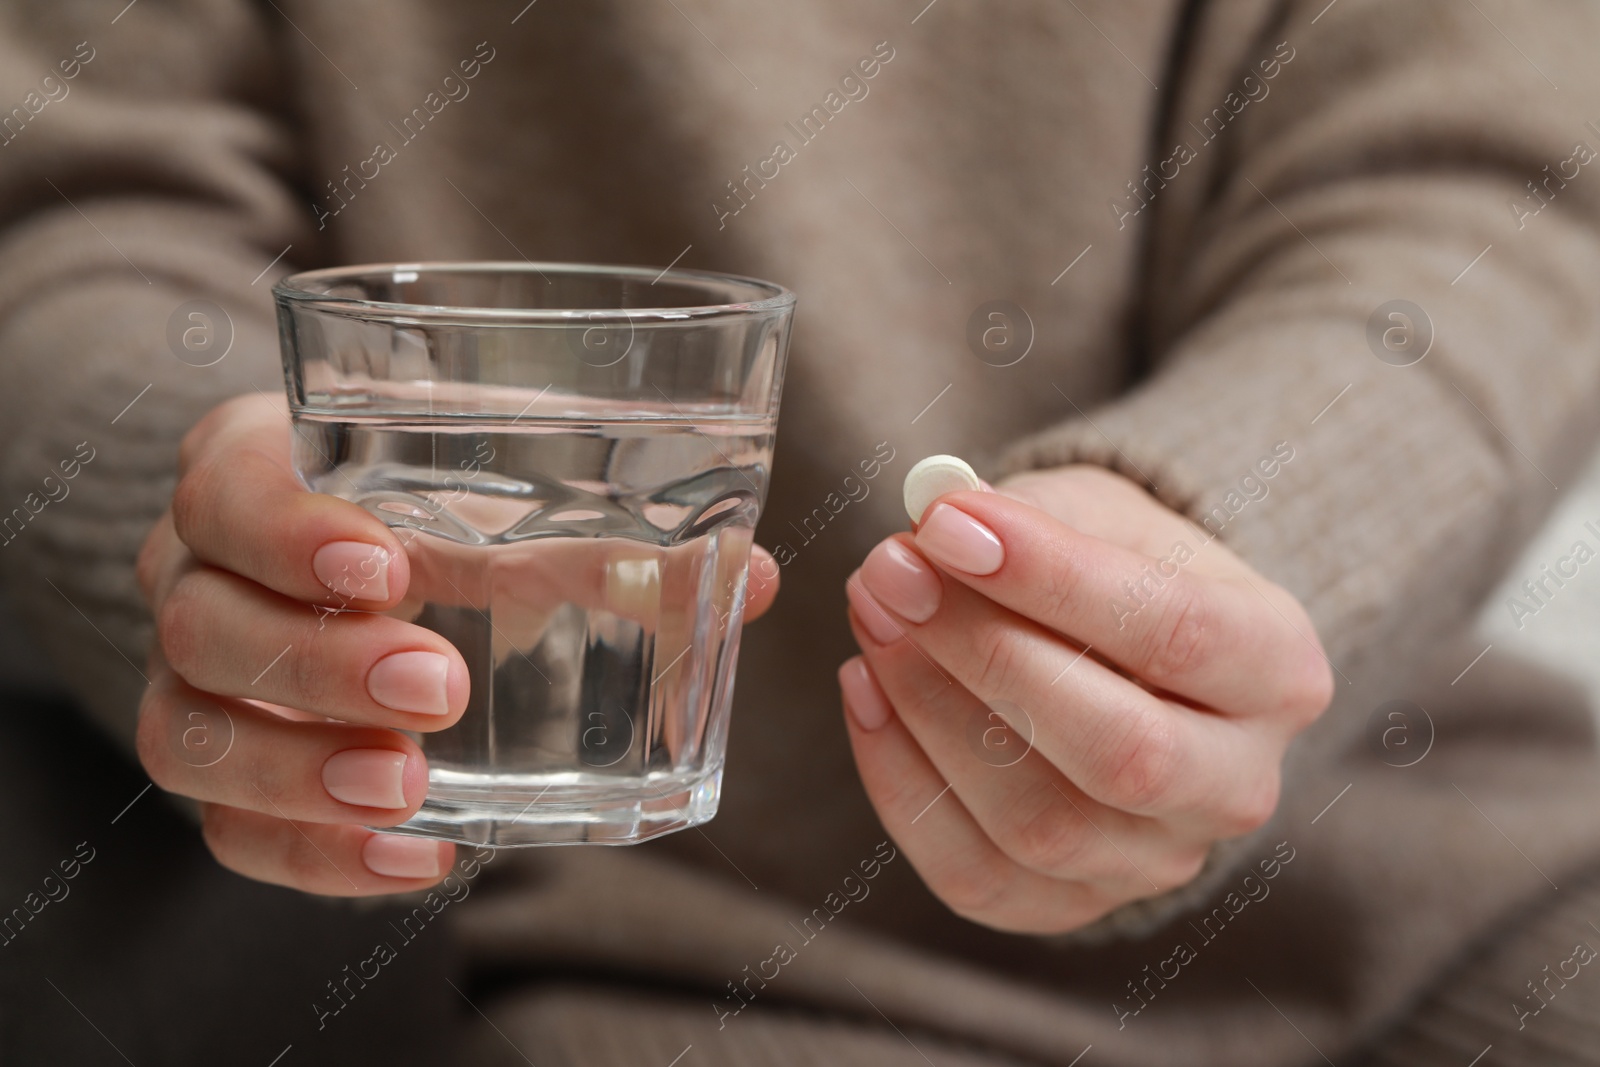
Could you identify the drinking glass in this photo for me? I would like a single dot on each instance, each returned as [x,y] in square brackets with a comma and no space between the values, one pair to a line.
[574,458]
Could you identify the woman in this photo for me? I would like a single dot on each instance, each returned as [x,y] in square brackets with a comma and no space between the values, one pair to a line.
[1270,323]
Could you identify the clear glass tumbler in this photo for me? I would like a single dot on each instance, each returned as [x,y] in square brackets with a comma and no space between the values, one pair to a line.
[574,458]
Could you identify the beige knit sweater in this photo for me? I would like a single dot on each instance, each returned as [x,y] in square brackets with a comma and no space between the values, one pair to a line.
[1202,209]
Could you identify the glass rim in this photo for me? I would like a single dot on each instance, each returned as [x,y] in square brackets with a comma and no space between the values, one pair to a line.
[296,289]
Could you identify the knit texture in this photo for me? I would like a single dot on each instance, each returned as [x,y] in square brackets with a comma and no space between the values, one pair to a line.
[1309,165]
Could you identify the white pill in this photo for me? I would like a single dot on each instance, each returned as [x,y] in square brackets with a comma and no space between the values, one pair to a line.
[932,478]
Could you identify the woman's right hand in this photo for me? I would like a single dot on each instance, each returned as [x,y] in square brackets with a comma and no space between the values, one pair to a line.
[270,703]
[277,690]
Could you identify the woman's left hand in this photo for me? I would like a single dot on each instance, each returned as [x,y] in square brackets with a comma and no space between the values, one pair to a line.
[1102,690]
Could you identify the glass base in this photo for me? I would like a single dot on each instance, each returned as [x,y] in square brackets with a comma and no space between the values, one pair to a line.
[516,815]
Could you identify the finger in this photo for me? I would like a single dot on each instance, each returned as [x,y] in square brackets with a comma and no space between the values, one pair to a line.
[1122,745]
[959,863]
[230,752]
[240,506]
[154,554]
[226,634]
[1218,643]
[340,861]
[1106,505]
[761,584]
[245,408]
[1038,818]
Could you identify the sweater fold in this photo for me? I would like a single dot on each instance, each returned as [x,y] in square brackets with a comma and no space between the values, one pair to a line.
[1316,275]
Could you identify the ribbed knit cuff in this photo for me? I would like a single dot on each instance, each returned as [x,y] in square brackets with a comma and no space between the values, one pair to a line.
[71,568]
[1266,467]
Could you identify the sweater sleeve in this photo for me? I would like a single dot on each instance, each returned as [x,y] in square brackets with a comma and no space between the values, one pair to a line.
[145,210]
[1372,236]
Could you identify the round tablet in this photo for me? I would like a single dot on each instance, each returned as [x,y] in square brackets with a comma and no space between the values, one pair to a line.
[934,477]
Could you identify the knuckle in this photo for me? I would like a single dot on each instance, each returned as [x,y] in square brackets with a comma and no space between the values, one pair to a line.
[275,787]
[146,566]
[1058,591]
[893,798]
[151,734]
[1253,804]
[1139,774]
[306,678]
[1306,676]
[198,439]
[973,890]
[1183,866]
[192,445]
[179,627]
[1049,841]
[1000,655]
[233,837]
[191,500]
[216,827]
[1312,690]
[1180,638]
[1085,912]
[303,864]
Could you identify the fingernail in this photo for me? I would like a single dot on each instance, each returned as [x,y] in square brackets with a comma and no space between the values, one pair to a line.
[353,569]
[633,588]
[882,628]
[955,539]
[366,777]
[899,580]
[398,856]
[411,681]
[861,696]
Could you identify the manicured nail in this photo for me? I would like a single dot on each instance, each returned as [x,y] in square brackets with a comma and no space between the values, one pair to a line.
[411,681]
[862,699]
[633,588]
[957,540]
[366,777]
[883,629]
[353,569]
[899,580]
[398,856]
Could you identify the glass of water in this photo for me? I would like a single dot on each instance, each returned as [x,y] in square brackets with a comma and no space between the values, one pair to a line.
[574,458]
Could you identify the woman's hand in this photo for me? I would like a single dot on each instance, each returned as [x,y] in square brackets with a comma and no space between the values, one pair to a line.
[277,690]
[1077,782]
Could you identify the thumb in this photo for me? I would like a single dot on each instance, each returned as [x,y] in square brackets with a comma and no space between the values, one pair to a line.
[240,506]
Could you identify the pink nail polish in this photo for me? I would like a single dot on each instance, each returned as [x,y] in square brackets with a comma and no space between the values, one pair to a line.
[353,569]
[411,681]
[862,699]
[398,856]
[366,777]
[883,629]
[954,539]
[902,581]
